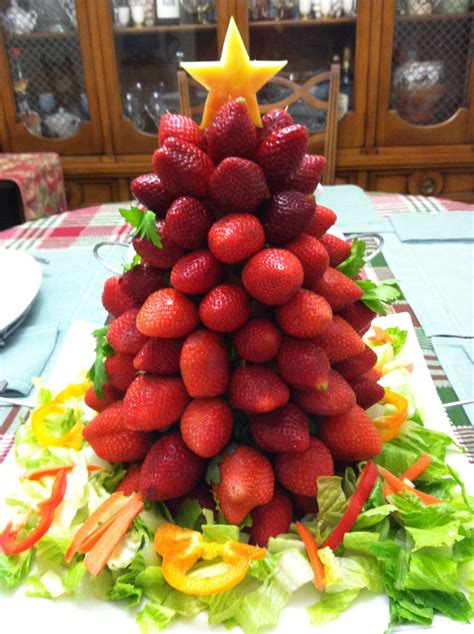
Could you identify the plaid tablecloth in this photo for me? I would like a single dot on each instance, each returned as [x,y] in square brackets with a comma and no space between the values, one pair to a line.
[85,227]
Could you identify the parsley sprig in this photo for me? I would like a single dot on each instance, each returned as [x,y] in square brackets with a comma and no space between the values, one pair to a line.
[144,223]
[97,373]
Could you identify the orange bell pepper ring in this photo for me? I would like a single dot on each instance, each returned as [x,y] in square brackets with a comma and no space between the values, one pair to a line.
[181,548]
[389,426]
[380,337]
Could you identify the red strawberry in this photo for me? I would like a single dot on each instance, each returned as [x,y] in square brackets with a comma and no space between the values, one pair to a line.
[180,127]
[337,249]
[309,174]
[303,364]
[351,436]
[305,504]
[273,120]
[257,389]
[367,392]
[114,298]
[204,365]
[196,272]
[358,364]
[323,219]
[340,341]
[359,316]
[237,186]
[188,222]
[280,154]
[225,308]
[123,335]
[162,258]
[312,255]
[298,472]
[271,519]
[246,481]
[131,481]
[170,469]
[183,168]
[111,394]
[285,215]
[338,397]
[154,402]
[167,314]
[284,429]
[120,371]
[258,340]
[338,289]
[272,276]
[206,426]
[306,315]
[159,356]
[112,441]
[150,192]
[235,238]
[232,132]
[142,280]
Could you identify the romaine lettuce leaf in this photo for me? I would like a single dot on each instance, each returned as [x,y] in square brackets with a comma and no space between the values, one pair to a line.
[220,533]
[435,537]
[331,606]
[15,569]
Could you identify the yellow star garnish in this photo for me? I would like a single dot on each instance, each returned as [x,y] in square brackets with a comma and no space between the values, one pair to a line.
[233,76]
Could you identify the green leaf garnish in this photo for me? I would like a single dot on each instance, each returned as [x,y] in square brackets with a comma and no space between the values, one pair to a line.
[144,223]
[378,296]
[399,338]
[131,265]
[103,349]
[213,474]
[355,261]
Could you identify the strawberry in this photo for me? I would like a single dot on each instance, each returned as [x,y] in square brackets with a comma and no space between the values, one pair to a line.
[232,132]
[258,340]
[359,316]
[168,314]
[225,308]
[206,426]
[131,481]
[246,481]
[170,469]
[303,364]
[150,192]
[280,154]
[183,168]
[338,397]
[114,299]
[159,356]
[312,255]
[204,365]
[273,120]
[123,335]
[154,402]
[272,276]
[306,315]
[350,436]
[120,371]
[235,238]
[338,289]
[180,127]
[111,394]
[358,364]
[323,218]
[338,250]
[111,440]
[187,223]
[340,341]
[309,174]
[282,430]
[305,504]
[298,472]
[162,257]
[257,389]
[367,392]
[196,272]
[271,519]
[237,186]
[142,280]
[285,215]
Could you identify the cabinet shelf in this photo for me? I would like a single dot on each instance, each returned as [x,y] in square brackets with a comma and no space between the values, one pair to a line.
[43,35]
[435,17]
[163,28]
[300,22]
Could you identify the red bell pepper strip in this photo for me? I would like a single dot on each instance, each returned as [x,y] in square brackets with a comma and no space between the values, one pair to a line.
[367,482]
[46,509]
[416,469]
[37,474]
[312,551]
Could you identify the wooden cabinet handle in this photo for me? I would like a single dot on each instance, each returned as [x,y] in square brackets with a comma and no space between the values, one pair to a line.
[427,186]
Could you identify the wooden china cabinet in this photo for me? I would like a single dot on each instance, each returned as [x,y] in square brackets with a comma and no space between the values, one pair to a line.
[90,80]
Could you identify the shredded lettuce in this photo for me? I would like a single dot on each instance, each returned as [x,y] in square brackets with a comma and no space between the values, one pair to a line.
[331,606]
[14,570]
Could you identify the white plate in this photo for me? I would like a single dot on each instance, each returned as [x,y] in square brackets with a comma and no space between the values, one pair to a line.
[20,281]
[369,614]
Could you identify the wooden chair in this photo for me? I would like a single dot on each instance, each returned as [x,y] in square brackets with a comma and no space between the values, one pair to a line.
[328,136]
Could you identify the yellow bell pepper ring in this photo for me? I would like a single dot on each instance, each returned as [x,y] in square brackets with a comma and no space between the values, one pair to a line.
[389,426]
[181,548]
[71,439]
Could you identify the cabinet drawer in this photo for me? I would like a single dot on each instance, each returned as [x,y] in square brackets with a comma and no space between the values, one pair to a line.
[455,184]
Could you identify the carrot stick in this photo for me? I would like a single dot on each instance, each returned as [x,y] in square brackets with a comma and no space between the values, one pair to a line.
[97,558]
[416,469]
[312,550]
[397,486]
[91,540]
[37,474]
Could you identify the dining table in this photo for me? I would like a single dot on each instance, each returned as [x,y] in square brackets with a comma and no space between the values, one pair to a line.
[428,248]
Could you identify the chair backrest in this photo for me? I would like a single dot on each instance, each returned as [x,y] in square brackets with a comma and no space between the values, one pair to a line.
[294,93]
